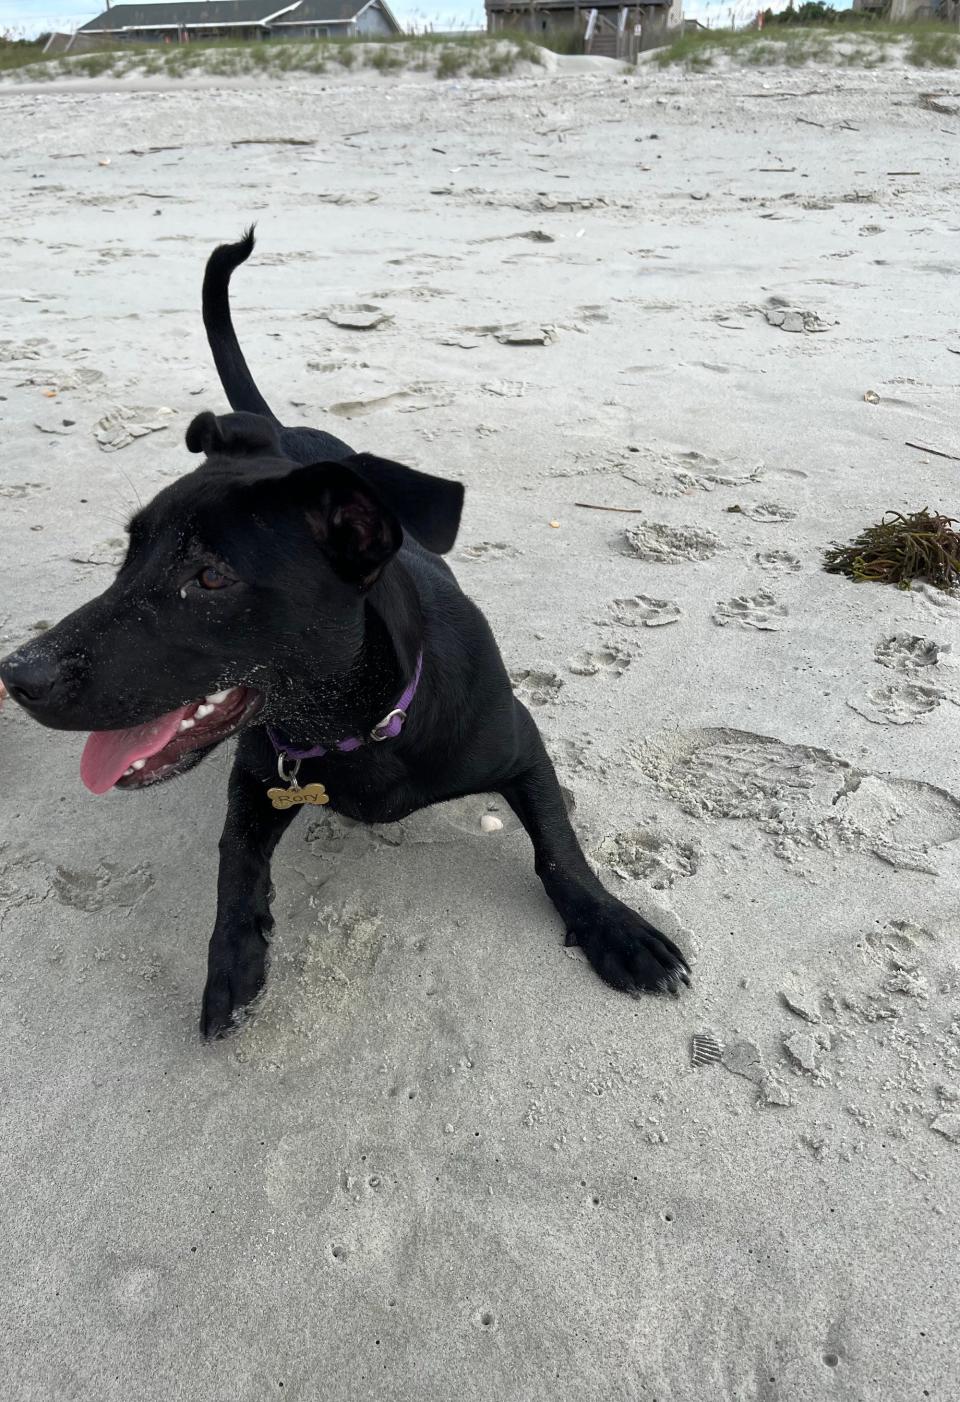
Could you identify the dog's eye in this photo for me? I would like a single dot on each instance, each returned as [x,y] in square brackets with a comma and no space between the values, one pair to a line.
[211,578]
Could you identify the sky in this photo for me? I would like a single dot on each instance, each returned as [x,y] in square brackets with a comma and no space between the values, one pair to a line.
[28,17]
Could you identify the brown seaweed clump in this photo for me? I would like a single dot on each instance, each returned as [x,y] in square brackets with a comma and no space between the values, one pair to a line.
[900,549]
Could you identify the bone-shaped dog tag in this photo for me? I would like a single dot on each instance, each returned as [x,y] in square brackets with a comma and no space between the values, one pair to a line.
[289,798]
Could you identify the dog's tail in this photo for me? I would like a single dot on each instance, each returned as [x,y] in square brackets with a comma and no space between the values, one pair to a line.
[238,383]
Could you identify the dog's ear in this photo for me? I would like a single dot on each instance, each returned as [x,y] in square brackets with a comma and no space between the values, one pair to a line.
[428,507]
[233,436]
[355,529]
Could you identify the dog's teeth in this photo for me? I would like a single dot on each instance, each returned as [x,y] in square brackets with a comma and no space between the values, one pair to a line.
[187,724]
[139,763]
[217,698]
[204,711]
[128,772]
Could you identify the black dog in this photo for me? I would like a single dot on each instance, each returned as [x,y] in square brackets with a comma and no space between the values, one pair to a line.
[297,589]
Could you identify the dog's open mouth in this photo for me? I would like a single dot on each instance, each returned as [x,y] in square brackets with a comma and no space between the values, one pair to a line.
[147,754]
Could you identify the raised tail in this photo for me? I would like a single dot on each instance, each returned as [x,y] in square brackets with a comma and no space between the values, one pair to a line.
[238,383]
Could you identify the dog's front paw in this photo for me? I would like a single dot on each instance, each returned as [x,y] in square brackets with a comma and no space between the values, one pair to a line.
[626,951]
[234,981]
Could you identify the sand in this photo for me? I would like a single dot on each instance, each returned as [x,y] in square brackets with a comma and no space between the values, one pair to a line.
[443,1160]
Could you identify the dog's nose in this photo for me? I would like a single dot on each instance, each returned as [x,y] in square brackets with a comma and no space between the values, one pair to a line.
[30,677]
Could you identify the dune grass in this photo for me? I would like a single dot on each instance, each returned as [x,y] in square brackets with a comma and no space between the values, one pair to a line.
[473,56]
[934,47]
[857,42]
[14,55]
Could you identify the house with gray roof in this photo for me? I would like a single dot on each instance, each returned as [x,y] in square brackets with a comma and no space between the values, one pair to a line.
[180,20]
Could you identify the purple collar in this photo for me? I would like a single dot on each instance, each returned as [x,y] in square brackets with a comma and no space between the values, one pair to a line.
[386,729]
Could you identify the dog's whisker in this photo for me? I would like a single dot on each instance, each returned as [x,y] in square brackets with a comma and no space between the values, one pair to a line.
[132,485]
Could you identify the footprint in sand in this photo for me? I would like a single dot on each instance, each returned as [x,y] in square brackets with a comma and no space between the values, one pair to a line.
[792,474]
[489,550]
[900,703]
[671,545]
[876,1038]
[330,834]
[777,561]
[125,423]
[744,1058]
[109,553]
[343,949]
[945,607]
[330,367]
[643,854]
[109,885]
[691,471]
[759,611]
[794,319]
[407,401]
[768,513]
[362,317]
[642,611]
[573,754]
[16,491]
[537,688]
[905,652]
[31,349]
[525,335]
[591,661]
[806,801]
[59,380]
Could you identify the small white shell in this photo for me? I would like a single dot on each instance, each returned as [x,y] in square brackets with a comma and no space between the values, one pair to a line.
[490,823]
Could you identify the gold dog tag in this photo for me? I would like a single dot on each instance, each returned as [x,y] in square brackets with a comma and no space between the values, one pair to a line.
[288,798]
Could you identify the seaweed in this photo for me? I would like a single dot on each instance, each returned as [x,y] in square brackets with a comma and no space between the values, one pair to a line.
[899,549]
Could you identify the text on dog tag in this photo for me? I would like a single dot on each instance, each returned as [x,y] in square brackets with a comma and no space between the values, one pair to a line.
[289,798]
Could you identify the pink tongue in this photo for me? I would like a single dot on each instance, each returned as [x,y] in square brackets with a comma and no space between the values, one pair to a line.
[109,753]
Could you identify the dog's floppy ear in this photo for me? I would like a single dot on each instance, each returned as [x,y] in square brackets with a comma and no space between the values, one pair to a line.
[233,436]
[355,529]
[428,507]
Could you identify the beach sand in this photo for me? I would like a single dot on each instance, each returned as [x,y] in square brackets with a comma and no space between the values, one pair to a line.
[444,1161]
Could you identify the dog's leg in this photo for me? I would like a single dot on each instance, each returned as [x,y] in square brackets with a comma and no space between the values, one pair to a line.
[237,958]
[623,948]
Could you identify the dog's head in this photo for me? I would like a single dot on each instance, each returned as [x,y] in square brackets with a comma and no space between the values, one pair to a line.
[234,575]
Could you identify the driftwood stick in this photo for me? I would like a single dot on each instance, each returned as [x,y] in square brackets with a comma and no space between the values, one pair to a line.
[922,448]
[628,510]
